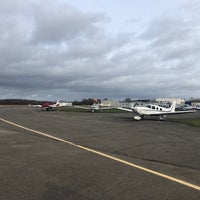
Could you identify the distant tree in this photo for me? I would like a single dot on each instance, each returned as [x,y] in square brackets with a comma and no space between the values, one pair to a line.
[128,99]
[84,102]
[191,98]
[76,103]
[88,101]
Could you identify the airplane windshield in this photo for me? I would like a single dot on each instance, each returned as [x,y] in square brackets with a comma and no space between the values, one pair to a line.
[148,106]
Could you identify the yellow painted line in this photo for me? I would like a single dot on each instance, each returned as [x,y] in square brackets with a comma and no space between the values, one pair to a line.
[197,187]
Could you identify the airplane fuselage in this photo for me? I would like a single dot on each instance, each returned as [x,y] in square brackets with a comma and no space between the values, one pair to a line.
[152,110]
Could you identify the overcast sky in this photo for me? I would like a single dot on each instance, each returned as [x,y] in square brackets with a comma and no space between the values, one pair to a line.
[70,50]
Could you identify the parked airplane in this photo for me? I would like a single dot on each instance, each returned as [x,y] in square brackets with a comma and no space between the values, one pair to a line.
[47,106]
[155,110]
[94,107]
[197,108]
[186,107]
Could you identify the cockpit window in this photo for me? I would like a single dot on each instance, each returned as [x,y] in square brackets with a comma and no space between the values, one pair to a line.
[148,106]
[153,107]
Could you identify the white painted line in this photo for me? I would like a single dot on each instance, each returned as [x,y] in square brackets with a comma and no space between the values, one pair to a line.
[107,156]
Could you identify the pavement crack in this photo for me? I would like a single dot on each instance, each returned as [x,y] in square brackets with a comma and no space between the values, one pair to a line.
[156,161]
[168,163]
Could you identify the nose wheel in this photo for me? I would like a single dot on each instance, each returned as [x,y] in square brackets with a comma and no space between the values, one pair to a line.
[162,117]
[139,117]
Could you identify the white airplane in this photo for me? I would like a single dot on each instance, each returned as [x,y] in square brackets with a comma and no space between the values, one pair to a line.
[155,110]
[95,106]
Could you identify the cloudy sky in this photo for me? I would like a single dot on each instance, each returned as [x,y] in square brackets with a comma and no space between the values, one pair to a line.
[70,50]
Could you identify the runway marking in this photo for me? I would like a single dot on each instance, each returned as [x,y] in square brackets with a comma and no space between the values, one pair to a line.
[197,187]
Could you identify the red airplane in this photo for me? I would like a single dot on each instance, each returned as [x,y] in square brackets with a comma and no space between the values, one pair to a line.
[48,106]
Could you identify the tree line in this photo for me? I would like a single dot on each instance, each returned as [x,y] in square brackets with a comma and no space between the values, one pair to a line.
[84,101]
[20,102]
[88,101]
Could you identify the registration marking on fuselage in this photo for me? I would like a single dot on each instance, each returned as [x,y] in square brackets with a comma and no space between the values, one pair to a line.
[182,182]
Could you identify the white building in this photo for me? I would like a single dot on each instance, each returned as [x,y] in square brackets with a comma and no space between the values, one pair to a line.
[195,103]
[125,104]
[179,101]
[111,103]
[132,104]
[65,103]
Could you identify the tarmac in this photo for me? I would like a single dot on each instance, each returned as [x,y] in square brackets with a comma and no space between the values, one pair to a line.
[70,155]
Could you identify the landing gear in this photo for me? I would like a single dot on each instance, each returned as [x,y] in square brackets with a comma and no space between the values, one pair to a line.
[162,117]
[139,117]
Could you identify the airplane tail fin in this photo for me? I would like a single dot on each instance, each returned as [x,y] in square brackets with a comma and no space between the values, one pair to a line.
[173,106]
[57,103]
[97,101]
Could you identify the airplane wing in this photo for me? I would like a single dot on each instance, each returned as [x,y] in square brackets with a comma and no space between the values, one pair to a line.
[173,113]
[160,113]
[125,109]
[36,106]
[106,108]
[82,107]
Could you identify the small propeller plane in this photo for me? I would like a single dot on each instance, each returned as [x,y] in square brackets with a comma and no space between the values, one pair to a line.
[155,110]
[47,106]
[95,106]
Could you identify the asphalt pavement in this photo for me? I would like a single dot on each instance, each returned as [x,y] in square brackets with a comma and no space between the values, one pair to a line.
[96,156]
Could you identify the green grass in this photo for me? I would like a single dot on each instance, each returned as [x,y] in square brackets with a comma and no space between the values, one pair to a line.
[113,110]
[190,122]
[73,109]
[193,122]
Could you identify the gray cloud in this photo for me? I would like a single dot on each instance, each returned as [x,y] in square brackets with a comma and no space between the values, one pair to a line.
[54,50]
[62,23]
